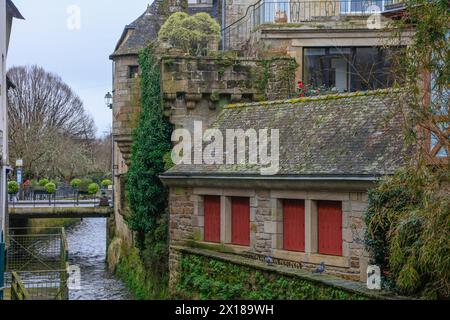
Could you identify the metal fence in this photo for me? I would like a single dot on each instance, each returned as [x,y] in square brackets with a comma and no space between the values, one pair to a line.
[39,285]
[37,262]
[269,12]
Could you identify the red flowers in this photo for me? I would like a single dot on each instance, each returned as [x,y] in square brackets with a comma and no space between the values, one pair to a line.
[300,85]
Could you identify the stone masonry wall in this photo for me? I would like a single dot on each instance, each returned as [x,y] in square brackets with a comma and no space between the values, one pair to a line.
[266,226]
[196,88]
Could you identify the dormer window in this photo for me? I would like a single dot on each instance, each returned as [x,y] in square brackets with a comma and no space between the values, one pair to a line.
[133,72]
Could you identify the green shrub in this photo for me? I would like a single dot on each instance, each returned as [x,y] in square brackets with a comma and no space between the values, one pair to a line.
[50,188]
[93,188]
[408,232]
[75,183]
[83,186]
[106,183]
[192,34]
[13,187]
[43,182]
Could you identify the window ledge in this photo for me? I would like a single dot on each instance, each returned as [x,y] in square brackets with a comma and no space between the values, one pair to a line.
[314,258]
[219,247]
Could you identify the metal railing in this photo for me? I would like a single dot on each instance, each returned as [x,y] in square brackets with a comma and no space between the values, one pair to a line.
[270,12]
[66,197]
[36,264]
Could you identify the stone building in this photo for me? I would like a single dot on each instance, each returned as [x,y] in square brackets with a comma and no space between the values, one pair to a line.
[194,88]
[337,44]
[332,150]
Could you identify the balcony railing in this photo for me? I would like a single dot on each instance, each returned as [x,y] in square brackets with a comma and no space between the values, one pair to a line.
[269,12]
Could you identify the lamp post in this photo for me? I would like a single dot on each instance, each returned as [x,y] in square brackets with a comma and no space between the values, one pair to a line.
[109,104]
[109,100]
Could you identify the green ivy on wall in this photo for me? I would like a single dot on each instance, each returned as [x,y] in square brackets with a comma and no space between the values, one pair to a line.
[151,142]
[146,195]
[206,278]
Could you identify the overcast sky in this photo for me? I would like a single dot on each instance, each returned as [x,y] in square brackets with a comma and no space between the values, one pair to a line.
[52,38]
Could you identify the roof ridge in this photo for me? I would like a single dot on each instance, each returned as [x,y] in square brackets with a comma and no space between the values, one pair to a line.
[317,98]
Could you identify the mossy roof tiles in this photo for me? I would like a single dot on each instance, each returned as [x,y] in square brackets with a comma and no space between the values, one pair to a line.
[345,134]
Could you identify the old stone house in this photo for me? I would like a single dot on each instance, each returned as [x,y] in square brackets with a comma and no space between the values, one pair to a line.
[194,88]
[332,151]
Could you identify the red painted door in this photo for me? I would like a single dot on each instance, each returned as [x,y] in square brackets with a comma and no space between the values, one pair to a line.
[294,225]
[330,228]
[240,221]
[211,205]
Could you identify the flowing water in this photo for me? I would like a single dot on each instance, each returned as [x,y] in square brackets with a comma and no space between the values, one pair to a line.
[87,250]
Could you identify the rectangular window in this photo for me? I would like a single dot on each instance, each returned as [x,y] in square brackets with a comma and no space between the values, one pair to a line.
[349,69]
[294,225]
[330,227]
[211,207]
[240,221]
[133,72]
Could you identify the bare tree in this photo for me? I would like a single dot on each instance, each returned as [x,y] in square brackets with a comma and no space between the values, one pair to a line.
[47,123]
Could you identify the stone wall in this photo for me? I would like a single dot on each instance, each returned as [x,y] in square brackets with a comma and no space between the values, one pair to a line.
[266,224]
[196,88]
[126,107]
[236,9]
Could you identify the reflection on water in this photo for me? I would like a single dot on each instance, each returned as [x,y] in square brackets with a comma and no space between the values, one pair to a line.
[87,250]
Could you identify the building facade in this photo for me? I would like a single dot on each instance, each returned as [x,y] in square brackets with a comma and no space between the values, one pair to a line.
[332,150]
[338,44]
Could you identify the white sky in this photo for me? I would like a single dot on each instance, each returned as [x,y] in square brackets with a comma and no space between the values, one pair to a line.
[80,56]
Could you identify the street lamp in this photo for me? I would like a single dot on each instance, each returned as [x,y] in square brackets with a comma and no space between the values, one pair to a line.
[109,104]
[109,100]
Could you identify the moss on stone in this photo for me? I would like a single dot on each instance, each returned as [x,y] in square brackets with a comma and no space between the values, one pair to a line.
[206,278]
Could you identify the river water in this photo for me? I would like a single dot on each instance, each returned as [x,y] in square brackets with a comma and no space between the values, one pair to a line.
[87,250]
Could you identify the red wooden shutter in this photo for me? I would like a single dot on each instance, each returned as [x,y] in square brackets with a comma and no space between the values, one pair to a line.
[240,221]
[211,205]
[330,228]
[294,225]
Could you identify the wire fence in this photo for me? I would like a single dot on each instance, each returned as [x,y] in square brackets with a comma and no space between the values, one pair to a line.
[36,264]
[39,285]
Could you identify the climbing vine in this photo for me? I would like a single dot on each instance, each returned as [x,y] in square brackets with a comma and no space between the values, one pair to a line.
[147,196]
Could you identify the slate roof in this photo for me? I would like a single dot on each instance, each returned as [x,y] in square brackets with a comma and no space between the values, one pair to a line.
[12,9]
[357,134]
[137,35]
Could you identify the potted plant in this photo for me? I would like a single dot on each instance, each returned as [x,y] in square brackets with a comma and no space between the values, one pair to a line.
[13,188]
[104,201]
[50,188]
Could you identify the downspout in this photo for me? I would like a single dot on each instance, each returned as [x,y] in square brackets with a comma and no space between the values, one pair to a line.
[223,24]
